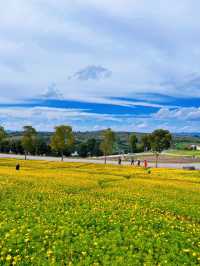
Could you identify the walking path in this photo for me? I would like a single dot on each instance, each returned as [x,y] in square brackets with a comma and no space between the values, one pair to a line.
[100,161]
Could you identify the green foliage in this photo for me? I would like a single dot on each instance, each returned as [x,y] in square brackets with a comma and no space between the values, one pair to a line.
[133,142]
[29,139]
[62,139]
[91,147]
[15,146]
[94,147]
[108,140]
[41,146]
[160,140]
[146,142]
[3,134]
[83,150]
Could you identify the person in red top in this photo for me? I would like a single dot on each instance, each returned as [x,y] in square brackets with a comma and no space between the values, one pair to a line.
[145,164]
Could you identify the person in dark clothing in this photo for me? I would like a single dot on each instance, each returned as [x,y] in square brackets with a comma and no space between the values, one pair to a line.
[132,161]
[139,162]
[119,161]
[18,167]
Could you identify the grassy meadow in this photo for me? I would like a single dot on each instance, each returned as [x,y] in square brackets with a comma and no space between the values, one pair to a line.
[184,153]
[86,214]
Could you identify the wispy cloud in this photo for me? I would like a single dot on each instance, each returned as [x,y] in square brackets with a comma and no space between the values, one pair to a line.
[46,118]
[92,72]
[184,114]
[52,93]
[112,50]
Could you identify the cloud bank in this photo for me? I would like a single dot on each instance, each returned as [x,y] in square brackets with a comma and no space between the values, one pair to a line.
[113,51]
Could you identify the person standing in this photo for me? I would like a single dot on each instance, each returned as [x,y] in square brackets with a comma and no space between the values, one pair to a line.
[145,164]
[17,167]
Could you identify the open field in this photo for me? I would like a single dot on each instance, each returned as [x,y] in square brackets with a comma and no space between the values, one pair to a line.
[184,153]
[54,213]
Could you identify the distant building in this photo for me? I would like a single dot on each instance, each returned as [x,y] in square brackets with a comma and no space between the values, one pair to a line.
[75,154]
[194,147]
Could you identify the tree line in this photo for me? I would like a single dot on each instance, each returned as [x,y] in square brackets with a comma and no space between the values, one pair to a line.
[63,143]
[156,142]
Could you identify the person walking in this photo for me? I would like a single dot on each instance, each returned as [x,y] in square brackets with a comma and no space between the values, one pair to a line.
[132,161]
[119,161]
[139,162]
[145,164]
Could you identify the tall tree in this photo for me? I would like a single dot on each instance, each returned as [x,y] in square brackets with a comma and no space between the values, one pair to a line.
[62,139]
[29,140]
[41,146]
[145,141]
[108,140]
[94,147]
[16,146]
[3,135]
[133,142]
[160,140]
[83,150]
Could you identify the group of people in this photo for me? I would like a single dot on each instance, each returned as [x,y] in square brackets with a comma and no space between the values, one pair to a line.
[138,163]
[134,162]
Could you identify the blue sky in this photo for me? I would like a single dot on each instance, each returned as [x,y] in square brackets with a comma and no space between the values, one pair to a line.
[130,65]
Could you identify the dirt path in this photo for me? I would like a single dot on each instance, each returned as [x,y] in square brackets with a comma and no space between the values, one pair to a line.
[101,161]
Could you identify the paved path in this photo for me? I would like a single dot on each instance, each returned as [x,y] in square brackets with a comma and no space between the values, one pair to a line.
[77,160]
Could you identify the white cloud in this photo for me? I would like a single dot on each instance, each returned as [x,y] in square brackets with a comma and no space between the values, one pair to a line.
[143,43]
[45,118]
[52,93]
[179,114]
[150,47]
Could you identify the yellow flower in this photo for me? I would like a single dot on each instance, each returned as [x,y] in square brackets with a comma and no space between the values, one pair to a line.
[49,253]
[8,258]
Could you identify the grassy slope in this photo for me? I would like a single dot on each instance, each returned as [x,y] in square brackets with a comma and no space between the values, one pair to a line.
[183,153]
[84,214]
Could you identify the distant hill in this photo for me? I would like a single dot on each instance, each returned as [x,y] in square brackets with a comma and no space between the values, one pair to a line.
[83,136]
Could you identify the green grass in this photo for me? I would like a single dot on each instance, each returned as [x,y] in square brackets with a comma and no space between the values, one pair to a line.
[85,214]
[183,153]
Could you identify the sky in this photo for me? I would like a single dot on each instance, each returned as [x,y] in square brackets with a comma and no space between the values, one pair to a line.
[93,64]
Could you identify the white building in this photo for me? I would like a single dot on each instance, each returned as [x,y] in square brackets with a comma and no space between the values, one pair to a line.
[195,147]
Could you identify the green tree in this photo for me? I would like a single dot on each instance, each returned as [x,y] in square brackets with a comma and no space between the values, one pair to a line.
[133,143]
[3,135]
[145,141]
[93,147]
[83,150]
[108,140]
[41,146]
[160,140]
[62,139]
[16,146]
[29,140]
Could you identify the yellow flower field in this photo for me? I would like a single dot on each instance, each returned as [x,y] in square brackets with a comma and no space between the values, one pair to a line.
[86,214]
